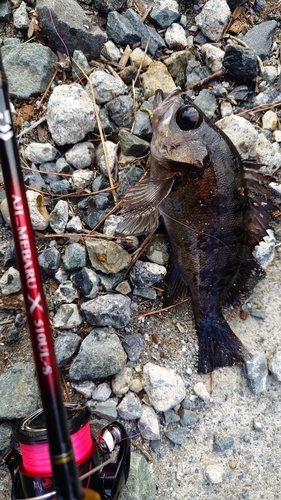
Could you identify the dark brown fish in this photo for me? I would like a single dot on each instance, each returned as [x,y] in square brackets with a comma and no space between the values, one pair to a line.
[214,211]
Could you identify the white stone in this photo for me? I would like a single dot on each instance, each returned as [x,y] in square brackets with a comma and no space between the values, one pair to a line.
[270,120]
[121,381]
[67,317]
[164,387]
[74,225]
[40,152]
[274,365]
[81,178]
[107,256]
[277,135]
[175,37]
[201,391]
[70,114]
[10,282]
[213,56]
[213,18]
[214,473]
[269,73]
[65,293]
[38,213]
[59,216]
[241,132]
[102,392]
[5,211]
[266,153]
[111,51]
[139,58]
[111,149]
[148,424]
[264,252]
[20,17]
[226,109]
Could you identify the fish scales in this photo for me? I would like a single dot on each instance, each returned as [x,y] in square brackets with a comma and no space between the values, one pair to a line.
[198,186]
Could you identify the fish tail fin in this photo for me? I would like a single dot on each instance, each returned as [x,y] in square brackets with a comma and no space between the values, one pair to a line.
[218,345]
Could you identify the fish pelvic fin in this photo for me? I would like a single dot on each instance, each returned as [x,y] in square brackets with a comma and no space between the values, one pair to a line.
[140,204]
[218,346]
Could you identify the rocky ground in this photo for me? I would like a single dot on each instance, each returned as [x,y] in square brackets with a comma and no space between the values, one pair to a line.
[198,438]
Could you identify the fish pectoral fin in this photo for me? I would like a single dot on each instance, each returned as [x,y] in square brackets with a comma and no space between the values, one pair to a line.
[177,290]
[262,202]
[140,204]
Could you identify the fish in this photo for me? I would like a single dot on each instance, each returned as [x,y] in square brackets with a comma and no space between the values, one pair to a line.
[215,209]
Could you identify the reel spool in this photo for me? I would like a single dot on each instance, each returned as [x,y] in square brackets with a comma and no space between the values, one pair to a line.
[35,468]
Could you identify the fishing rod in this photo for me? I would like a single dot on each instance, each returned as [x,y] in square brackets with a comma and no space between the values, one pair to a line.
[65,476]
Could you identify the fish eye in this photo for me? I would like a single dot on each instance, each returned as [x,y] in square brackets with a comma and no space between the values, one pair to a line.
[188,118]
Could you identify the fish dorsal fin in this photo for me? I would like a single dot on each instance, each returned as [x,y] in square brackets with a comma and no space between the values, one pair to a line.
[140,204]
[261,200]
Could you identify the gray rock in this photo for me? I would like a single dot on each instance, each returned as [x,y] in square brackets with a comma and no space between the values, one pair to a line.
[107,256]
[130,407]
[260,37]
[239,93]
[40,152]
[120,30]
[171,417]
[65,293]
[85,388]
[121,381]
[195,71]
[20,17]
[213,18]
[60,187]
[158,250]
[59,216]
[104,409]
[5,12]
[131,145]
[81,59]
[177,436]
[176,64]
[120,110]
[70,114]
[6,433]
[274,365]
[148,424]
[123,287]
[165,15]
[74,257]
[206,101]
[109,5]
[165,389]
[140,484]
[189,418]
[18,392]
[29,69]
[75,29]
[127,178]
[101,355]
[257,372]
[142,125]
[111,149]
[10,282]
[94,216]
[106,86]
[102,392]
[80,155]
[49,261]
[34,179]
[240,63]
[146,293]
[66,346]
[108,310]
[134,346]
[111,52]
[67,317]
[156,41]
[87,281]
[107,125]
[145,274]
[222,443]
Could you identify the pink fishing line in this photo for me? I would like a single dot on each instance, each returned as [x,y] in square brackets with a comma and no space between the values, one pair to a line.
[36,457]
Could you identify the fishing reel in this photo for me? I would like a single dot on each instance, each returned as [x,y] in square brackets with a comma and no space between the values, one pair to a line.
[30,467]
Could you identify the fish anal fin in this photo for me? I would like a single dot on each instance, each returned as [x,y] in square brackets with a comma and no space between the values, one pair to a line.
[261,202]
[139,208]
[176,289]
